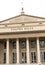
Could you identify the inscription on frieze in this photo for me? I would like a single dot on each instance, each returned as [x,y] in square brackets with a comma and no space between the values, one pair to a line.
[22,29]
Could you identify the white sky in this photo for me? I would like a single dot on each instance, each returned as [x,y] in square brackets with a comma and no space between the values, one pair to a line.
[11,8]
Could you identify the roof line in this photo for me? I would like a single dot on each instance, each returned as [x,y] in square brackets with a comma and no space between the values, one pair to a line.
[35,16]
[21,15]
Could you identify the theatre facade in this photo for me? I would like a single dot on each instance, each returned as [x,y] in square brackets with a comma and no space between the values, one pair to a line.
[22,40]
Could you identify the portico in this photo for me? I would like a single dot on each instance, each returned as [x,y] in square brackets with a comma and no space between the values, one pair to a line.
[22,40]
[21,50]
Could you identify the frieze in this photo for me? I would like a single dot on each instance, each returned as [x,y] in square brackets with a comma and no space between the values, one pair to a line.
[22,29]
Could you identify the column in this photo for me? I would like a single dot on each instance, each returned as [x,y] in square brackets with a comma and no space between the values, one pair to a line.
[17,47]
[38,51]
[28,51]
[7,52]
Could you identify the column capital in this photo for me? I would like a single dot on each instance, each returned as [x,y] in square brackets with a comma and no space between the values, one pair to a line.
[7,39]
[27,38]
[37,38]
[17,39]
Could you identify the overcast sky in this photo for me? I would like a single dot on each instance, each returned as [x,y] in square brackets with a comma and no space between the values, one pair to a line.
[11,8]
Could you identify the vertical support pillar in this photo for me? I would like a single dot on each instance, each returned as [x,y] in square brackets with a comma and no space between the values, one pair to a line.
[28,51]
[17,47]
[38,51]
[7,52]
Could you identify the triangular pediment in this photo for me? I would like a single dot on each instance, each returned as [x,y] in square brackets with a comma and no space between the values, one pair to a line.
[22,23]
[23,18]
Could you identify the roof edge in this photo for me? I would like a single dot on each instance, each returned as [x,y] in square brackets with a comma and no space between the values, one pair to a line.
[22,15]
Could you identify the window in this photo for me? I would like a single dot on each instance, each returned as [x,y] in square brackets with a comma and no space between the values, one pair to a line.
[33,57]
[14,57]
[43,56]
[14,44]
[4,45]
[23,57]
[42,43]
[4,57]
[33,43]
[23,44]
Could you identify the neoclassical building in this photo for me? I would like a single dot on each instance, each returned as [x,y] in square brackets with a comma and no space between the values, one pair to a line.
[22,40]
